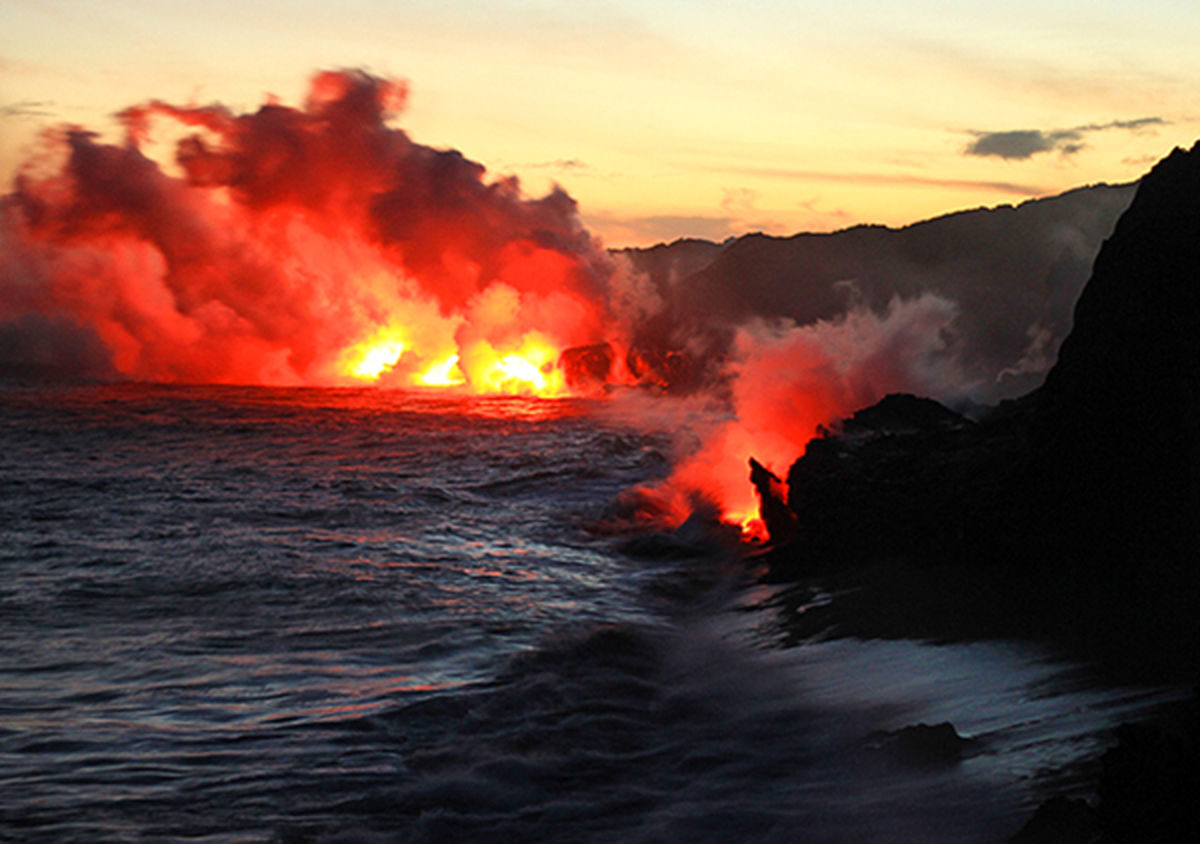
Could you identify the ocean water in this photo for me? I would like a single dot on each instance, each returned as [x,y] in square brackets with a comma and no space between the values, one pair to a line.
[246,614]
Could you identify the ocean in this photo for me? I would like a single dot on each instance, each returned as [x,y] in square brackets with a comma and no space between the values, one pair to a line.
[254,614]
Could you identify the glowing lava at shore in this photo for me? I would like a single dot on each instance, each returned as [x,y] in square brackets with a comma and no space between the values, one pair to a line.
[314,245]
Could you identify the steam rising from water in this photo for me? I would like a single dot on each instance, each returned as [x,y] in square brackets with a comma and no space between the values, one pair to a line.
[786,381]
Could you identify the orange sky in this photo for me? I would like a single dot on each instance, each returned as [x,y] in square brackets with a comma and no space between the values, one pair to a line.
[669,119]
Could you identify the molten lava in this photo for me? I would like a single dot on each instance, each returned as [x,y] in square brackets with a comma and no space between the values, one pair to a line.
[444,373]
[369,360]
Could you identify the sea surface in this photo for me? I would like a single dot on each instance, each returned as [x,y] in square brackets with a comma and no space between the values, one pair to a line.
[247,614]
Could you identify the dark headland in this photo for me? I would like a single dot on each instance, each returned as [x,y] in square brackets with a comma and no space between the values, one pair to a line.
[1070,516]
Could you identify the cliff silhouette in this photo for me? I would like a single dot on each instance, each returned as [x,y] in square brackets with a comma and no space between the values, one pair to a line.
[1070,514]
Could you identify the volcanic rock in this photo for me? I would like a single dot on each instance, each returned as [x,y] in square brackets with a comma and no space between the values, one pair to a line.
[1060,820]
[922,744]
[1149,781]
[906,478]
[587,366]
[772,503]
[1116,441]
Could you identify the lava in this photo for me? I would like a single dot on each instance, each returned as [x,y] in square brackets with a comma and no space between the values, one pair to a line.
[444,373]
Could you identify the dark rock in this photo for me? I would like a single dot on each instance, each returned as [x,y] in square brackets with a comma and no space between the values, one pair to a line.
[905,479]
[922,744]
[903,413]
[587,366]
[1116,441]
[672,369]
[772,503]
[1149,781]
[1060,820]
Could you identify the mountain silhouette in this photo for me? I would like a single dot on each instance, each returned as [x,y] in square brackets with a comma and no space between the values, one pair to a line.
[1014,273]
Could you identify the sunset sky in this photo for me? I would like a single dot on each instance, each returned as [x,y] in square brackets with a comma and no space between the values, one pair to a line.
[668,119]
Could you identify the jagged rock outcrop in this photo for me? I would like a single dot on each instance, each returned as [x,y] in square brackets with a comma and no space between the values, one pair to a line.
[905,478]
[923,745]
[779,519]
[1116,440]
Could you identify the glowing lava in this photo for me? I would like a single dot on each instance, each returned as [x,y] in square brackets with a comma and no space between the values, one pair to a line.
[530,369]
[444,373]
[376,358]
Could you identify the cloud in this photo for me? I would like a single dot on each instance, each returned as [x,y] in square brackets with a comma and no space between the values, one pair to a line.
[26,109]
[738,200]
[1021,144]
[902,179]
[284,243]
[661,228]
[556,164]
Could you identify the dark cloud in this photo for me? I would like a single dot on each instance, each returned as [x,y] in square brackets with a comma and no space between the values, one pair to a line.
[1020,144]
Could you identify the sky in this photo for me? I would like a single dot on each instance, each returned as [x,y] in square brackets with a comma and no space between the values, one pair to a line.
[667,119]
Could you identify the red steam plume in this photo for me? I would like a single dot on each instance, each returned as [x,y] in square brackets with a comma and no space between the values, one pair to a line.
[314,245]
[788,381]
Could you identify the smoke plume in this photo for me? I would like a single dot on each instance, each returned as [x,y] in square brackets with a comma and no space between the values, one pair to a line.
[313,245]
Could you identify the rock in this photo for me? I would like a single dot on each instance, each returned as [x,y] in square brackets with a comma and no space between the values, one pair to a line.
[903,413]
[1060,820]
[772,503]
[587,367]
[904,479]
[1116,440]
[922,744]
[1149,783]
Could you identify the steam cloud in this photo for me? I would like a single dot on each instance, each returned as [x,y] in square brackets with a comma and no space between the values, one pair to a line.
[785,382]
[283,237]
